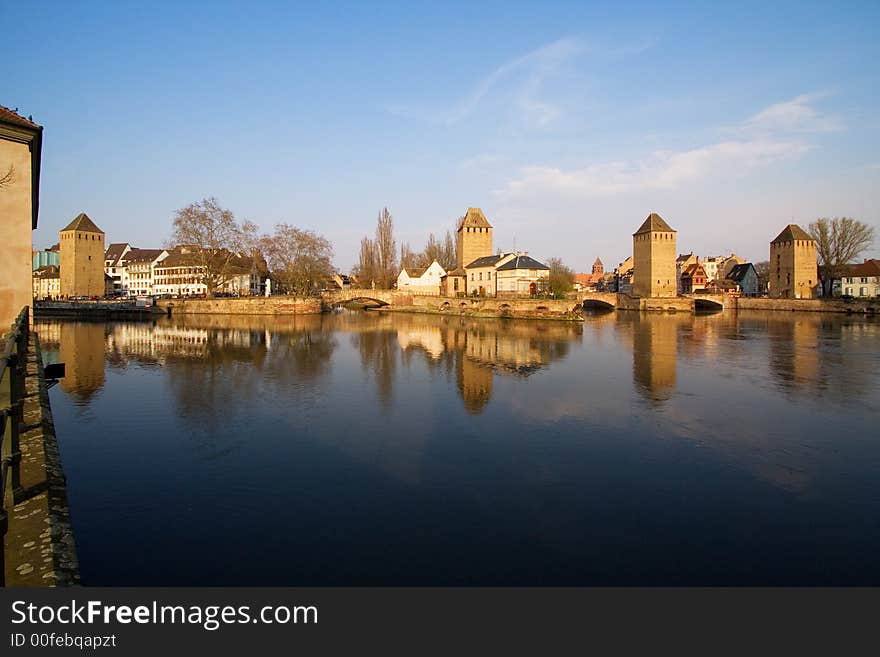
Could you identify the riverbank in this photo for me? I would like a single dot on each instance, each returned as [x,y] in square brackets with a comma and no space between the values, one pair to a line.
[39,546]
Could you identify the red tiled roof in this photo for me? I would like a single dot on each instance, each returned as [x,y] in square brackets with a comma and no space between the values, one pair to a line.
[11,116]
[867,268]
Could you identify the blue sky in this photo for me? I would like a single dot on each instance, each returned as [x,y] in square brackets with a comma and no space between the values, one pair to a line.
[566,122]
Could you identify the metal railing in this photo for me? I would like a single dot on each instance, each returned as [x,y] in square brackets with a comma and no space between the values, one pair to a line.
[13,370]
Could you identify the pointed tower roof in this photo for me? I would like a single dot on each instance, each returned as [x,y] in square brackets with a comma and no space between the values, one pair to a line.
[474,218]
[83,224]
[655,223]
[791,233]
[598,262]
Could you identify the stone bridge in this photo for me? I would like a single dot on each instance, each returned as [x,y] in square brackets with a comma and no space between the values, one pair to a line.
[595,300]
[600,300]
[713,301]
[379,297]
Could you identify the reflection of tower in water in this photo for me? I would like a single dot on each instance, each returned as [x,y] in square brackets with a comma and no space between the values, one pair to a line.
[82,352]
[655,352]
[474,383]
[794,356]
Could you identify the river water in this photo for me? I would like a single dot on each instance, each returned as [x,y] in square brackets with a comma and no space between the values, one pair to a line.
[374,448]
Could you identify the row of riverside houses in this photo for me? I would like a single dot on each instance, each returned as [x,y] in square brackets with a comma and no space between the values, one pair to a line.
[84,268]
[479,271]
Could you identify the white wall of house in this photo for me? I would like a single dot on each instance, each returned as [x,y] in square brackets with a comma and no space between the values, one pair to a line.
[428,283]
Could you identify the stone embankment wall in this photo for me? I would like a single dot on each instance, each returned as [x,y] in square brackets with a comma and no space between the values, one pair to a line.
[501,307]
[808,305]
[278,305]
[39,546]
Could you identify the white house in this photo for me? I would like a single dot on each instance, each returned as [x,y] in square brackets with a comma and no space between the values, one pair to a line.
[421,281]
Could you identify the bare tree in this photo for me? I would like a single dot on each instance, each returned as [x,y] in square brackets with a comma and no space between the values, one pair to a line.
[301,260]
[839,242]
[213,240]
[8,178]
[386,251]
[450,257]
[366,267]
[561,278]
[408,259]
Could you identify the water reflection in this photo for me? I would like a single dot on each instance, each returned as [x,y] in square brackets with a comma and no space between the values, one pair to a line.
[208,356]
[379,448]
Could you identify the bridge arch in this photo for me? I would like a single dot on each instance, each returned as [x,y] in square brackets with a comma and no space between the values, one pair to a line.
[365,300]
[708,304]
[597,304]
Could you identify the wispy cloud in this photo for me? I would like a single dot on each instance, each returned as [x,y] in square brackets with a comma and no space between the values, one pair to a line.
[795,115]
[526,73]
[769,141]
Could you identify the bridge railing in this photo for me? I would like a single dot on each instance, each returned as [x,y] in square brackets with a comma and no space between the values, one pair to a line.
[13,370]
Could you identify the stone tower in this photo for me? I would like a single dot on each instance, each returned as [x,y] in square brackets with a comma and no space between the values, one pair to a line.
[473,237]
[793,269]
[598,268]
[654,259]
[82,258]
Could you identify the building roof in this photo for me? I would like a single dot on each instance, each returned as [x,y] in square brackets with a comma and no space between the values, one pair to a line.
[474,218]
[654,223]
[693,270]
[47,271]
[867,268]
[143,255]
[83,224]
[458,271]
[598,262]
[11,116]
[522,262]
[414,273]
[238,264]
[791,233]
[738,273]
[685,256]
[114,251]
[485,261]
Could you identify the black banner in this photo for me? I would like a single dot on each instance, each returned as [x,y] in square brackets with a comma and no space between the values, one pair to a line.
[415,621]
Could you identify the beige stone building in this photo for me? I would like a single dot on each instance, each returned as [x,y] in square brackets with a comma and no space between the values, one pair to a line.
[473,240]
[654,259]
[473,237]
[794,272]
[82,258]
[21,143]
